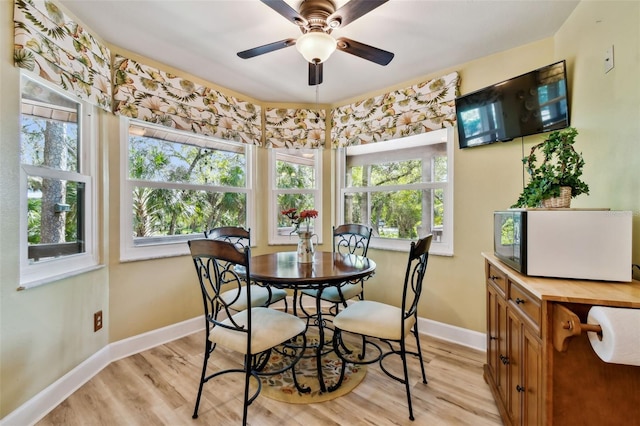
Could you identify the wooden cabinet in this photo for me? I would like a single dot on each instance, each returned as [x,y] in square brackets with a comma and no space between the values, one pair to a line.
[513,349]
[497,330]
[535,383]
[531,379]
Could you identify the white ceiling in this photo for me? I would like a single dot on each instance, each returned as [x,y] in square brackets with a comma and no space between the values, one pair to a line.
[202,38]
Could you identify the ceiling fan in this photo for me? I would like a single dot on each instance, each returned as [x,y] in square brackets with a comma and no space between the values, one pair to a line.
[316,19]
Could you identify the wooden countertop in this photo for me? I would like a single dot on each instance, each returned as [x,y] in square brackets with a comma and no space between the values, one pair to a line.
[604,293]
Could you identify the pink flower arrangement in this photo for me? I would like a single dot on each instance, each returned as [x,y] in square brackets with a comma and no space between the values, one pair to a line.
[305,216]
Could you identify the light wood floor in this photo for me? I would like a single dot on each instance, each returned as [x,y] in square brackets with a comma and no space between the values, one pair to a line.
[158,387]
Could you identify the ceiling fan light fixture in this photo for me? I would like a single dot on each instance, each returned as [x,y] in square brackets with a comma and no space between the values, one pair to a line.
[316,46]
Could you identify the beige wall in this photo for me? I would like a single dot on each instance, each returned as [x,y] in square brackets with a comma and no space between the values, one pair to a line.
[46,331]
[605,108]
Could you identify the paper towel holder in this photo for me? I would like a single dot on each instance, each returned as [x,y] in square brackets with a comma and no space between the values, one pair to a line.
[567,325]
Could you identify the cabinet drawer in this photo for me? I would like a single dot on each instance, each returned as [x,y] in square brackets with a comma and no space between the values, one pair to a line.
[528,305]
[497,277]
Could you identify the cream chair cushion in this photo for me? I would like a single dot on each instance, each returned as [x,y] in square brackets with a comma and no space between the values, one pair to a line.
[259,296]
[269,328]
[373,319]
[349,291]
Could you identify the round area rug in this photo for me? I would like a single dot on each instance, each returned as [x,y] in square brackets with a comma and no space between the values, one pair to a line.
[281,387]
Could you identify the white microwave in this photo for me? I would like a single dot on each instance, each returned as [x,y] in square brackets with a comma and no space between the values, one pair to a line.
[590,244]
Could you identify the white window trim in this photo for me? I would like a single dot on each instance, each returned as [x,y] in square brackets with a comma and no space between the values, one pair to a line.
[49,270]
[178,246]
[274,238]
[441,248]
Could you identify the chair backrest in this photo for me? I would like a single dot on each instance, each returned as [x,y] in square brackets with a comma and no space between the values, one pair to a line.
[351,238]
[216,265]
[237,235]
[416,269]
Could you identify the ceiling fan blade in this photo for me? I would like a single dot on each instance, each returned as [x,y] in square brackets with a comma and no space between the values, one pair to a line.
[315,73]
[351,11]
[370,53]
[287,11]
[261,50]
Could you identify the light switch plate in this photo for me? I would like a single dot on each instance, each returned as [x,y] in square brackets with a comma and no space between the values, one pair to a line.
[608,59]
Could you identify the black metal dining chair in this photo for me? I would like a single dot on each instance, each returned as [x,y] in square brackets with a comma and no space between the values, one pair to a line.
[260,296]
[255,332]
[379,322]
[347,239]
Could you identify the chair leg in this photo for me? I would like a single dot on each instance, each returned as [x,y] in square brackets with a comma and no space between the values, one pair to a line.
[307,316]
[417,336]
[403,355]
[247,377]
[207,352]
[337,340]
[294,302]
[364,347]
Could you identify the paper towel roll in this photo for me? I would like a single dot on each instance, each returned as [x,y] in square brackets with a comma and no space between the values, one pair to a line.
[620,342]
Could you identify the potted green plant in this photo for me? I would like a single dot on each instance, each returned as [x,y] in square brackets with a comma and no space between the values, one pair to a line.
[555,179]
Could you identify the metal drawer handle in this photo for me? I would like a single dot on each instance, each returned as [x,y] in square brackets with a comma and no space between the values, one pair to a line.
[493,338]
[493,277]
[504,359]
[519,301]
[519,388]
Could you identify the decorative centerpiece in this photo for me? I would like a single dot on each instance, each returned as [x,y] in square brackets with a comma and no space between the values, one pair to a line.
[305,244]
[556,180]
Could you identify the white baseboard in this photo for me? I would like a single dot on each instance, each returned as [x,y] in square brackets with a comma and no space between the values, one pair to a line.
[142,342]
[451,333]
[40,405]
[37,407]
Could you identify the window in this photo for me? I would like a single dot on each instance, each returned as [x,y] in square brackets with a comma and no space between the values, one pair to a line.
[176,185]
[483,124]
[553,102]
[402,189]
[57,147]
[295,183]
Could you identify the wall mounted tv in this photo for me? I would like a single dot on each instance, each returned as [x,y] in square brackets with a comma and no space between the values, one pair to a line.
[535,102]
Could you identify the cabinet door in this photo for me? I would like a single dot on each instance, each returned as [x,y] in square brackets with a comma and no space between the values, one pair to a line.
[514,367]
[492,332]
[503,350]
[532,379]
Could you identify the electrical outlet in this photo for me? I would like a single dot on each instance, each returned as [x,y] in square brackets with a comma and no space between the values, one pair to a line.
[608,59]
[97,321]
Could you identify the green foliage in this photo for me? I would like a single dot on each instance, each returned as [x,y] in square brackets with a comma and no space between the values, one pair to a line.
[35,140]
[561,165]
[33,220]
[395,213]
[164,211]
[293,176]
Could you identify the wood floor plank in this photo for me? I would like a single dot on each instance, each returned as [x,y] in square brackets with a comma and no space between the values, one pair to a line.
[159,387]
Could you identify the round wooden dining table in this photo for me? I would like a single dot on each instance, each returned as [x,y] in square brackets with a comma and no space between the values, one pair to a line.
[282,270]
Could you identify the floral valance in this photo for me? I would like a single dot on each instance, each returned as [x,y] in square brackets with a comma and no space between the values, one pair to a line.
[51,45]
[155,96]
[294,128]
[417,109]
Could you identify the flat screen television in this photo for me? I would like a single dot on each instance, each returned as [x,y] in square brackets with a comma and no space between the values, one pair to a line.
[535,102]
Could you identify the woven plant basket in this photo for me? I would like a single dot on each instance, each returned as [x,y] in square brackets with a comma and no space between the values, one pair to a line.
[563,201]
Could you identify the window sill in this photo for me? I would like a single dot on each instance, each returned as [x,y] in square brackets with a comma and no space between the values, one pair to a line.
[404,245]
[55,278]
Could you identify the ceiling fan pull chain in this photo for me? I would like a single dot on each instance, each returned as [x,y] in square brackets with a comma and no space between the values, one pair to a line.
[317,95]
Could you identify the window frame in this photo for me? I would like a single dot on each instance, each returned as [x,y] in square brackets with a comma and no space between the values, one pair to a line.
[49,270]
[177,246]
[443,247]
[274,212]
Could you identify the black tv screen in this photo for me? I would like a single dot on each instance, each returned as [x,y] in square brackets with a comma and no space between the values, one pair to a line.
[535,102]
